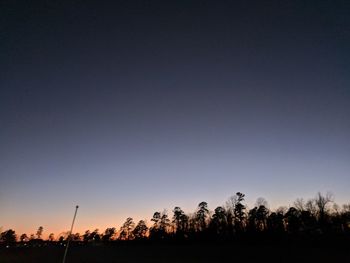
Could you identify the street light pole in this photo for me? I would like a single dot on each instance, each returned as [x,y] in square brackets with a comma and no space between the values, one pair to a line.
[70,234]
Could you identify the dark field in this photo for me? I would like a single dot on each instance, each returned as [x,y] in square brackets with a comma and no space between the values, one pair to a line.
[182,253]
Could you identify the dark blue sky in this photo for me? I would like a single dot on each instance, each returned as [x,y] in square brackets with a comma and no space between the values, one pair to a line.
[136,106]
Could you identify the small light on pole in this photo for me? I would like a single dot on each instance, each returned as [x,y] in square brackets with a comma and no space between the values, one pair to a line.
[70,234]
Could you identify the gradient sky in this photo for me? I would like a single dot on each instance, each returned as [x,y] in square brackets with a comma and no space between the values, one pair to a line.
[133,107]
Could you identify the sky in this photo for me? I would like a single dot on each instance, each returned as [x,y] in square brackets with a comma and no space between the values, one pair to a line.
[130,107]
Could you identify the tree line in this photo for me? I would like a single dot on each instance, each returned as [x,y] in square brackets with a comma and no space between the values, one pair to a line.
[315,217]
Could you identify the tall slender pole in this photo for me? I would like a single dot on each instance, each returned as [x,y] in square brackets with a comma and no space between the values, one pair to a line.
[70,234]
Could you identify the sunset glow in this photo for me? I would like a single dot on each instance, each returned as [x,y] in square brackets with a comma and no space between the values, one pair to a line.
[131,108]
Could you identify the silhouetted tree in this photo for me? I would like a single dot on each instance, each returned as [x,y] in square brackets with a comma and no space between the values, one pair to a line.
[76,237]
[164,224]
[8,236]
[51,237]
[94,236]
[321,202]
[24,238]
[292,220]
[308,221]
[155,228]
[310,206]
[239,212]
[86,236]
[261,201]
[180,221]
[218,224]
[192,225]
[108,234]
[261,217]
[275,222]
[159,230]
[345,218]
[300,204]
[39,232]
[252,219]
[202,215]
[126,229]
[313,218]
[140,231]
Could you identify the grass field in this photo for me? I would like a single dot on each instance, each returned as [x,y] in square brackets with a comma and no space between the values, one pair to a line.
[180,253]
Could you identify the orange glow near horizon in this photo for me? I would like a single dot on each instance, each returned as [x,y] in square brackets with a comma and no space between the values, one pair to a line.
[59,223]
